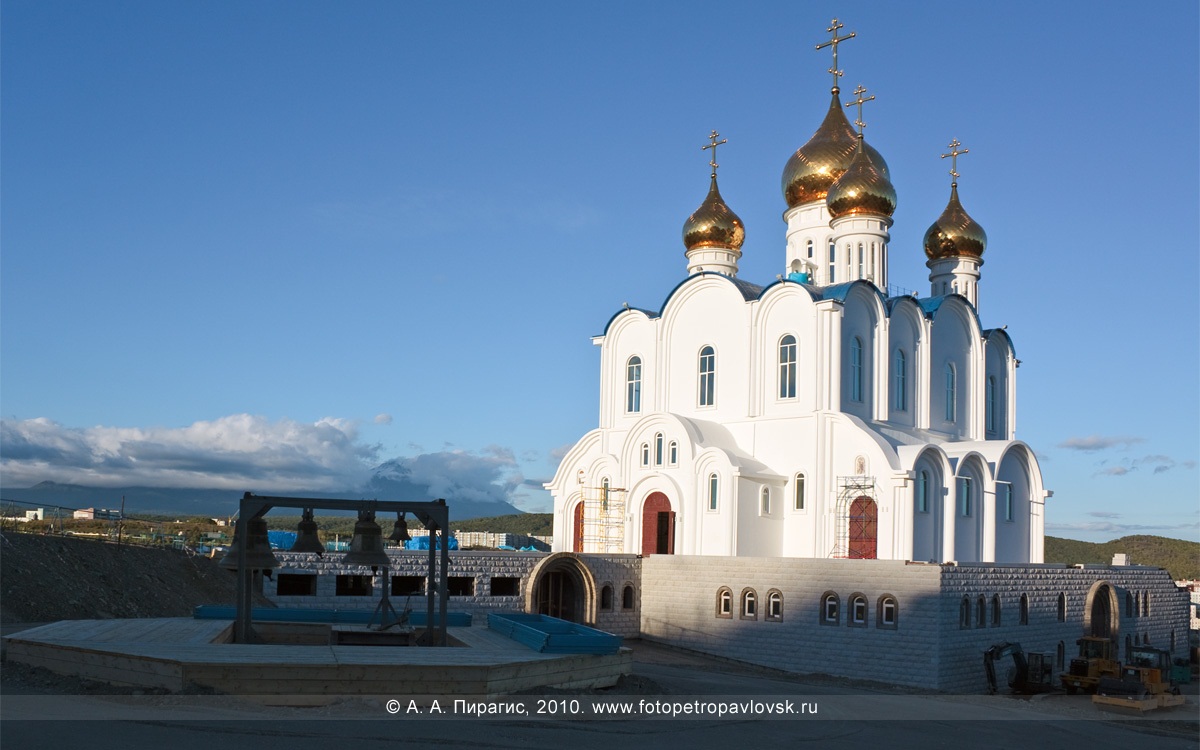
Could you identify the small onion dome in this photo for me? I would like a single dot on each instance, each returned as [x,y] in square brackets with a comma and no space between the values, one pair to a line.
[955,233]
[714,224]
[817,164]
[862,189]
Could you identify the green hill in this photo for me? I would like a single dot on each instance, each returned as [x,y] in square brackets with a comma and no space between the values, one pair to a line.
[1181,558]
[532,524]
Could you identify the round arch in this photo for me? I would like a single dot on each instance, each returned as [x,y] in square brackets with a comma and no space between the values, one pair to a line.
[562,586]
[1102,612]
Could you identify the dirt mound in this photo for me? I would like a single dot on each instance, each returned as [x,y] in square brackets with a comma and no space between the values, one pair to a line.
[49,578]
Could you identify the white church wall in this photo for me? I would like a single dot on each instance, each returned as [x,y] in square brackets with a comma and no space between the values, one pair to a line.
[632,334]
[1013,535]
[953,344]
[905,336]
[998,363]
[706,312]
[786,309]
[862,323]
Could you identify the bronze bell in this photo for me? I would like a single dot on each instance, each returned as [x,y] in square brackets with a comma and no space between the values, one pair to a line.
[258,548]
[366,547]
[399,533]
[307,539]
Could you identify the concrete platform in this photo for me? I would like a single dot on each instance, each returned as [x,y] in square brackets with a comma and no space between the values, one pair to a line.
[174,653]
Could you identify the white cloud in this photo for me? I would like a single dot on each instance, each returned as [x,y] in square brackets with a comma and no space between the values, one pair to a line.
[1093,443]
[383,418]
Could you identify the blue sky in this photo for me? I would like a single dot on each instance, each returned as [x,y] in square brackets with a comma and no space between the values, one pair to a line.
[320,236]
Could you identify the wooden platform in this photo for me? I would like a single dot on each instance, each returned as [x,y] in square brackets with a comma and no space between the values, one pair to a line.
[176,652]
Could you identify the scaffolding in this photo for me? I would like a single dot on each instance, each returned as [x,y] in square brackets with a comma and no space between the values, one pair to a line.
[850,524]
[604,519]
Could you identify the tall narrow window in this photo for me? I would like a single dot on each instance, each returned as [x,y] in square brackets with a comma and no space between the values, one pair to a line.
[990,405]
[764,501]
[633,385]
[604,487]
[922,491]
[658,449]
[645,454]
[708,376]
[810,248]
[964,495]
[1024,614]
[712,491]
[832,261]
[856,369]
[900,382]
[798,501]
[1006,497]
[861,261]
[951,393]
[787,367]
[673,453]
[1062,607]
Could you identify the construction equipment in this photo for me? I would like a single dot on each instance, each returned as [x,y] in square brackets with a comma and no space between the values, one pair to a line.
[1097,658]
[1143,685]
[1029,674]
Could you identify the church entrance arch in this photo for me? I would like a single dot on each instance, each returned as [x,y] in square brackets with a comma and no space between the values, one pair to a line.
[864,529]
[658,525]
[1101,613]
[562,587]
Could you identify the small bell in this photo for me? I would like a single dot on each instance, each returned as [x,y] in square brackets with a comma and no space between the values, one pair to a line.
[399,533]
[307,539]
[258,548]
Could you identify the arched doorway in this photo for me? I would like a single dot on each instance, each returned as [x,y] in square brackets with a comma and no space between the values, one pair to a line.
[658,525]
[1101,613]
[564,588]
[864,529]
[577,526]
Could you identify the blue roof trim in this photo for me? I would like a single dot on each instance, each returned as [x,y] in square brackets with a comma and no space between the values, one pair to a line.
[892,302]
[988,333]
[648,313]
[931,305]
[813,291]
[749,292]
[839,292]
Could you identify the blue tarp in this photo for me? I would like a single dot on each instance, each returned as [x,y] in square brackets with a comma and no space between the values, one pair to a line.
[422,542]
[281,539]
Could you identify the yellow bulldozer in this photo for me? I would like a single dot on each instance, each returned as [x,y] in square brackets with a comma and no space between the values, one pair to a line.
[1143,685]
[1097,659]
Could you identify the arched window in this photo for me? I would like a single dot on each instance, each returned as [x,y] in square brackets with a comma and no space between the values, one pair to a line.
[606,598]
[1006,500]
[858,611]
[829,608]
[749,605]
[889,612]
[673,453]
[990,405]
[1130,607]
[1062,607]
[645,454]
[633,385]
[658,449]
[1145,604]
[995,610]
[1060,656]
[787,366]
[964,613]
[951,391]
[810,248]
[980,612]
[764,504]
[627,596]
[708,376]
[713,486]
[724,602]
[1024,609]
[832,261]
[922,491]
[900,382]
[856,369]
[964,496]
[774,606]
[604,487]
[798,492]
[862,271]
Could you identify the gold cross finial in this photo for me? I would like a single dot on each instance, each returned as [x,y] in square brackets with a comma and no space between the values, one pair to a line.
[712,137]
[834,41]
[858,92]
[954,154]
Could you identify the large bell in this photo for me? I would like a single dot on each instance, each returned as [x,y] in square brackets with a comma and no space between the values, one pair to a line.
[366,547]
[399,533]
[258,548]
[307,539]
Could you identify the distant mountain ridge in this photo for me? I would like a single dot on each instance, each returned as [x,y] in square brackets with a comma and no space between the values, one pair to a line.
[219,503]
[1178,556]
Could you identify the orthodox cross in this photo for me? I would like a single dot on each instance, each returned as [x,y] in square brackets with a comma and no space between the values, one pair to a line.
[858,92]
[834,41]
[713,145]
[954,154]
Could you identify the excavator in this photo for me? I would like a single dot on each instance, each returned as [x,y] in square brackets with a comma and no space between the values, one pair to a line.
[1028,675]
[1143,685]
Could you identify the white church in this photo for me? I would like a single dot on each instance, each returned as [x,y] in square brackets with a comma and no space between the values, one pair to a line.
[819,415]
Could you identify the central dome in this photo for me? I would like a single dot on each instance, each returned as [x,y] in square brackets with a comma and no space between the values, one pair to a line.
[816,165]
[862,189]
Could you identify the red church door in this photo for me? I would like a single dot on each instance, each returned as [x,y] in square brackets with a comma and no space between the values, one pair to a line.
[864,529]
[578,527]
[658,525]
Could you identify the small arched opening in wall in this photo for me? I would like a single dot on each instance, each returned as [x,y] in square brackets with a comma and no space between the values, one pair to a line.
[1102,612]
[563,587]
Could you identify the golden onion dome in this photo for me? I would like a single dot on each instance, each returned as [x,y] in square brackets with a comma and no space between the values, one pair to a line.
[817,164]
[714,224]
[955,233]
[862,189]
